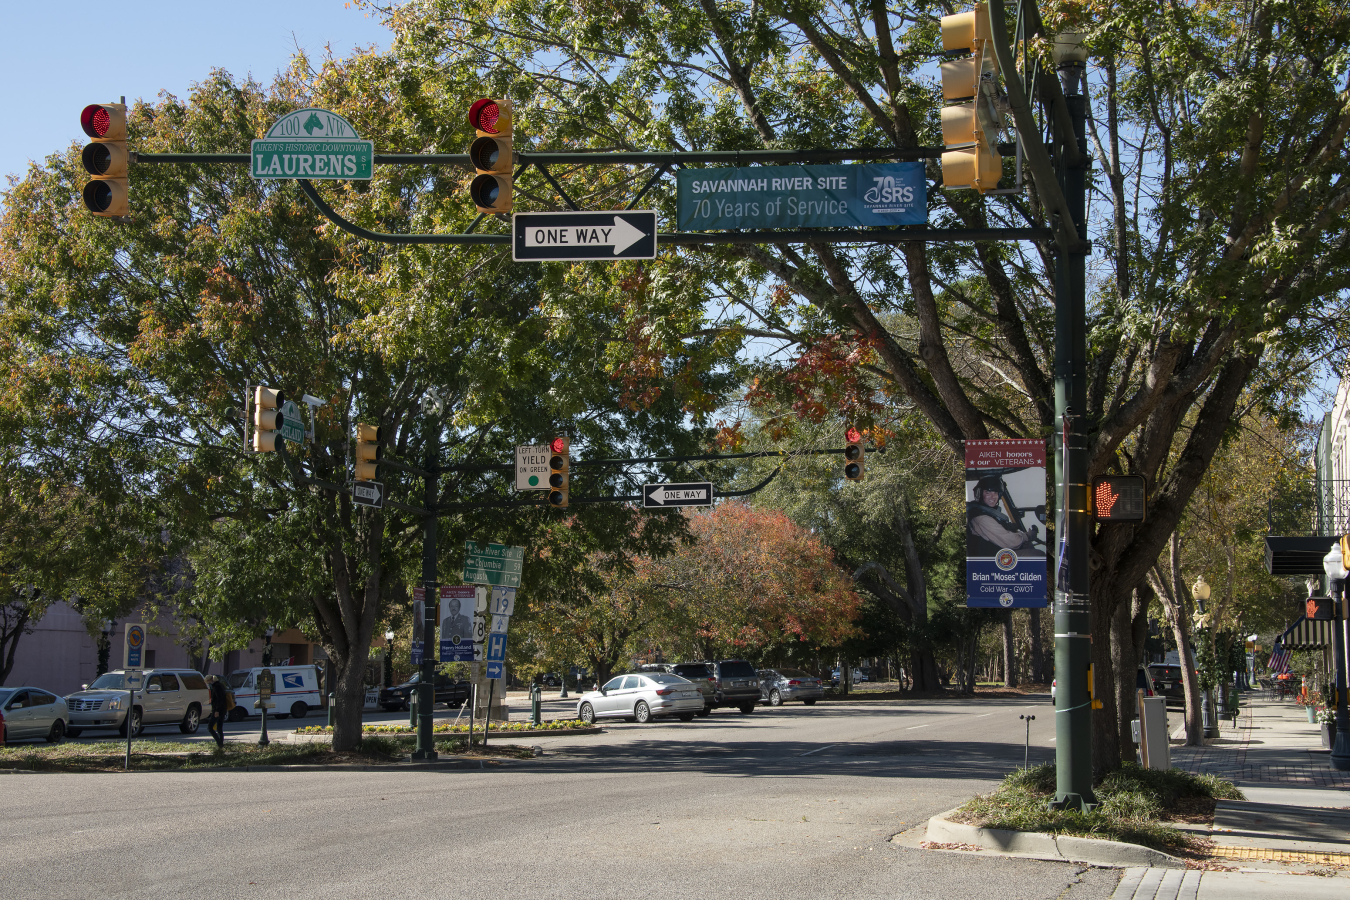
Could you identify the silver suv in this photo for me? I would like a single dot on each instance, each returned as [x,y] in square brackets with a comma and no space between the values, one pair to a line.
[167,697]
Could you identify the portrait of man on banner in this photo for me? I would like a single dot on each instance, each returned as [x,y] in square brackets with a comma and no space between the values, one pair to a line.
[1005,523]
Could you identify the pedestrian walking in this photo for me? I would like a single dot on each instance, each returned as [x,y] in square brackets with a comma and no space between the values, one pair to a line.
[219,705]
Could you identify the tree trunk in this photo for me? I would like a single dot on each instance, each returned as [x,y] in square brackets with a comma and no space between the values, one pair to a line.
[1037,675]
[1009,651]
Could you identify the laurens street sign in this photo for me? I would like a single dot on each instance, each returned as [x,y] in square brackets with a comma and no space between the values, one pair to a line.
[663,496]
[574,236]
[312,143]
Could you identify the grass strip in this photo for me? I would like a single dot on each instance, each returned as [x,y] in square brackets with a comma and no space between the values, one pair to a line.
[1136,806]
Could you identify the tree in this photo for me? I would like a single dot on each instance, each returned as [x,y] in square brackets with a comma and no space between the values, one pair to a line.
[1219,133]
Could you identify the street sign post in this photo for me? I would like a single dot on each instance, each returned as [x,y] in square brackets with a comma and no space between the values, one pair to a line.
[532,467]
[368,493]
[664,496]
[575,236]
[495,564]
[314,144]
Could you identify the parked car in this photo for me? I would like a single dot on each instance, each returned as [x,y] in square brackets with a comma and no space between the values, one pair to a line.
[859,676]
[30,713]
[1054,687]
[550,679]
[639,697]
[1170,681]
[735,683]
[452,693]
[167,697]
[295,690]
[778,686]
[698,673]
[1143,681]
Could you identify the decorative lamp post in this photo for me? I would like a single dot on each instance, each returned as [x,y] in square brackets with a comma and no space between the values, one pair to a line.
[1334,566]
[1200,592]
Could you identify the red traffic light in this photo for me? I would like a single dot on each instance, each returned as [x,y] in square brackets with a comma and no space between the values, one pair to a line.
[852,436]
[558,445]
[104,122]
[484,115]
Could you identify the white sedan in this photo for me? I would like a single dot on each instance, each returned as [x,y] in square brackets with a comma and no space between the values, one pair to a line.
[638,698]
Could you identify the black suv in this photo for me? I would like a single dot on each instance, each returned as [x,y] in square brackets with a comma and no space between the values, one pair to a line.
[452,693]
[735,683]
[1169,681]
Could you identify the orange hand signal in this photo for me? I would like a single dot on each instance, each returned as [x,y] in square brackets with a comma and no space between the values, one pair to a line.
[1105,499]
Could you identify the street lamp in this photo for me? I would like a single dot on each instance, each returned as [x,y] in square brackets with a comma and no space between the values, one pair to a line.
[1334,566]
[388,659]
[1200,591]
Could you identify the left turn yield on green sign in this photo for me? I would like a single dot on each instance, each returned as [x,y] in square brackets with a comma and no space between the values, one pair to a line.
[312,143]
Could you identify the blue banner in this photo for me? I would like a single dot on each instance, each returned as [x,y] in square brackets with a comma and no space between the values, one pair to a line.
[836,196]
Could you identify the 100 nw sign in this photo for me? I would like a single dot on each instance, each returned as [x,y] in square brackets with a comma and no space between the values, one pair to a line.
[312,143]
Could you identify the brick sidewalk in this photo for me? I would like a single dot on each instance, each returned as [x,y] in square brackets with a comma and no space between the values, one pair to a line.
[1272,744]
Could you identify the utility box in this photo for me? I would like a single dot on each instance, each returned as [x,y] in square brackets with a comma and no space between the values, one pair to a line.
[1151,733]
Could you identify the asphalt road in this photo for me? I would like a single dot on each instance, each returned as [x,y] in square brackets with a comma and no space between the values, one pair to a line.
[783,803]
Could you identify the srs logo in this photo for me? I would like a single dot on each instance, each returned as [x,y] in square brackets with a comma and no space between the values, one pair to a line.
[885,190]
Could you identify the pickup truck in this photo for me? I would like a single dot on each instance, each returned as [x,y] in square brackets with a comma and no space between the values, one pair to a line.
[452,693]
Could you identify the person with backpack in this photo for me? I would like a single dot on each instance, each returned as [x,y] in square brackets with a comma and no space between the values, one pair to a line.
[220,703]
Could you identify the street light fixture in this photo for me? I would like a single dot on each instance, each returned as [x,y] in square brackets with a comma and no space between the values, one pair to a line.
[1200,591]
[1334,565]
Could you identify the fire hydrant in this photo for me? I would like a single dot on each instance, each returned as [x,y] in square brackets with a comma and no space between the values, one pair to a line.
[536,698]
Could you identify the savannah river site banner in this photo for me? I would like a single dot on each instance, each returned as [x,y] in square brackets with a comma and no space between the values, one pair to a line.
[1005,523]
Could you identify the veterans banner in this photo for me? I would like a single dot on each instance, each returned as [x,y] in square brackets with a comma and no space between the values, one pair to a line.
[1005,523]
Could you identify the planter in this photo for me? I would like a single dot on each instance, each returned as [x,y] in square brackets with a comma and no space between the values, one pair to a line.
[1328,730]
[1312,715]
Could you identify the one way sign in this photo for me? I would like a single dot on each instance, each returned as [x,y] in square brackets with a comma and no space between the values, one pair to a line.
[368,493]
[663,496]
[572,236]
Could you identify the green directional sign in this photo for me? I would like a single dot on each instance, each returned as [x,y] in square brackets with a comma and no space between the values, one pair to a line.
[312,143]
[292,426]
[495,564]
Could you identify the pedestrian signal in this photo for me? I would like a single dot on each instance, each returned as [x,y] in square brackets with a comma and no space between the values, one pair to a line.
[854,462]
[105,159]
[1118,498]
[970,127]
[557,472]
[267,418]
[491,156]
[367,452]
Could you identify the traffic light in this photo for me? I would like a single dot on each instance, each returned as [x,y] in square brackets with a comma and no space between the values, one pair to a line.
[971,126]
[1118,498]
[854,464]
[490,155]
[367,452]
[557,472]
[106,159]
[267,418]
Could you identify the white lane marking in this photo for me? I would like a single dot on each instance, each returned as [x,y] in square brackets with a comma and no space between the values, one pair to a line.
[912,727]
[817,750]
[981,717]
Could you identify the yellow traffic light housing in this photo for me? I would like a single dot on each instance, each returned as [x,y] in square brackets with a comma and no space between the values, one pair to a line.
[105,159]
[854,455]
[491,156]
[971,126]
[557,471]
[367,452]
[267,418]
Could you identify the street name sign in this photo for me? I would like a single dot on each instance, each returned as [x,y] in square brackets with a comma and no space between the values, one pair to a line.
[834,196]
[292,425]
[663,496]
[312,143]
[368,493]
[495,564]
[532,467]
[576,236]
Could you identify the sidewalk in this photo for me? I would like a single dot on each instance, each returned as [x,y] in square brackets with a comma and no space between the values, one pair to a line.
[1293,827]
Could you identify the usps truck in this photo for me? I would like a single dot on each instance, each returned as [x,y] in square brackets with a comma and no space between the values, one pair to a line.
[295,691]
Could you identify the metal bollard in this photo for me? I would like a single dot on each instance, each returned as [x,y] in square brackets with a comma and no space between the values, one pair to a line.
[536,697]
[331,708]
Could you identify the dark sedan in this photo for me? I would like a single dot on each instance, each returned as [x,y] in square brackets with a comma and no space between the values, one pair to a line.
[1170,682]
[452,693]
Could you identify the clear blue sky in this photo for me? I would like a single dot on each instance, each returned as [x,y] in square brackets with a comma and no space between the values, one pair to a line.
[60,56]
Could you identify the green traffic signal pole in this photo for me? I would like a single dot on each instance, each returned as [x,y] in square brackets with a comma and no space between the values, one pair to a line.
[426,690]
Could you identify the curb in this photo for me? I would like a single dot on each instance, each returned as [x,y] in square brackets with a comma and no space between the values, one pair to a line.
[1039,845]
[439,765]
[291,737]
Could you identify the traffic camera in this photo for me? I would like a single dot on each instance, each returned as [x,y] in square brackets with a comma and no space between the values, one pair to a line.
[970,127]
[557,467]
[105,159]
[367,452]
[267,418]
[854,453]
[491,156]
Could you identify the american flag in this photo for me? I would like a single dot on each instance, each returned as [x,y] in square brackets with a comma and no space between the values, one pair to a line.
[1279,660]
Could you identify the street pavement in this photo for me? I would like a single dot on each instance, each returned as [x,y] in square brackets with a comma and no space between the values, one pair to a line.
[783,803]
